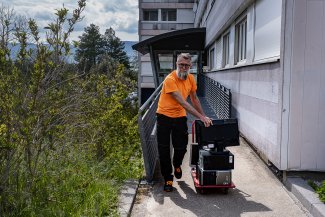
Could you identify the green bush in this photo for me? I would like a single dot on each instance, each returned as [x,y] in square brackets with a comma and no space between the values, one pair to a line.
[319,189]
[321,192]
[87,144]
[67,140]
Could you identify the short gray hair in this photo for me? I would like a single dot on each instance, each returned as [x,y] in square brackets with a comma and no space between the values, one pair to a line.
[186,56]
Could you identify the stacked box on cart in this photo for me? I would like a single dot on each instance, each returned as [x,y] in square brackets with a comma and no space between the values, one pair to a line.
[213,177]
[194,154]
[212,160]
[222,133]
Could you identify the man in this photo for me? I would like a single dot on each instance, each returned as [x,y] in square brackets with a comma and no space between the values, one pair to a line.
[172,120]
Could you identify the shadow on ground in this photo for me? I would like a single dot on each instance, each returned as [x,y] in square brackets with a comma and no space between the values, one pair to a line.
[213,203]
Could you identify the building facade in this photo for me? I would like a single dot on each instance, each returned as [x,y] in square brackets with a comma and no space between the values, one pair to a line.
[158,17]
[271,54]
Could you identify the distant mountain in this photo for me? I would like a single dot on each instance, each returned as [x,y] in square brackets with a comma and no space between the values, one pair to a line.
[127,48]
[15,49]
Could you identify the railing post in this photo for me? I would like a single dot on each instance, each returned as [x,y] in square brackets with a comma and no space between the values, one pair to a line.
[146,122]
[145,153]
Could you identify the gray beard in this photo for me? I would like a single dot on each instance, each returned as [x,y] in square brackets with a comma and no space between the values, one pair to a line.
[182,75]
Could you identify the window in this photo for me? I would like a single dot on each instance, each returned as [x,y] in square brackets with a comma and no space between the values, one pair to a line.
[211,59]
[267,30]
[218,54]
[225,55]
[150,15]
[165,65]
[241,40]
[168,14]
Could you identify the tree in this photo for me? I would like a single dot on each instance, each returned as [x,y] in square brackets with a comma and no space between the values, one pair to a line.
[90,48]
[134,66]
[60,131]
[56,36]
[29,109]
[114,47]
[107,66]
[7,18]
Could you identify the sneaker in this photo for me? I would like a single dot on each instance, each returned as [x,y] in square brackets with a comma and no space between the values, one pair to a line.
[178,172]
[168,186]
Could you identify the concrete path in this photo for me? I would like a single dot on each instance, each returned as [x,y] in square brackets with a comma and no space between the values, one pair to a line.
[258,193]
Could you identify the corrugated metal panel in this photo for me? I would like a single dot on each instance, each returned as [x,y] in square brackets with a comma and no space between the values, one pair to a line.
[307,98]
[296,99]
[321,118]
[311,87]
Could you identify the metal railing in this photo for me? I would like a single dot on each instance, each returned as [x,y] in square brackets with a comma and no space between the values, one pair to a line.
[148,136]
[217,96]
[155,25]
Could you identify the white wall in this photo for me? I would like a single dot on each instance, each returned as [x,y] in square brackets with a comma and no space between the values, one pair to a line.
[263,31]
[256,88]
[220,13]
[279,104]
[146,68]
[255,99]
[305,83]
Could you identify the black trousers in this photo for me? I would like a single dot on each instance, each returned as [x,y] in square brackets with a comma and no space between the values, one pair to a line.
[176,128]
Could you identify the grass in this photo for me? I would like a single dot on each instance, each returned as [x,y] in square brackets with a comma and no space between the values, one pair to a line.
[75,186]
[319,189]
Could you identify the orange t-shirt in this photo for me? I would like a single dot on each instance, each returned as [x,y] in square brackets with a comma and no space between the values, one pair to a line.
[167,105]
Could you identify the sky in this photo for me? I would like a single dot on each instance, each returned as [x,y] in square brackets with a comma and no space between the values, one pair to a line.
[121,15]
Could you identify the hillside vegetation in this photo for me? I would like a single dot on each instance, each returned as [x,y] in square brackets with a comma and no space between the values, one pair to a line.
[68,133]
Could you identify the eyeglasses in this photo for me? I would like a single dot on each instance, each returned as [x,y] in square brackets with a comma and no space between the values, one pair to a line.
[184,65]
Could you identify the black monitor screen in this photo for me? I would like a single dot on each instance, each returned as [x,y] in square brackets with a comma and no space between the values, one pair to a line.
[223,132]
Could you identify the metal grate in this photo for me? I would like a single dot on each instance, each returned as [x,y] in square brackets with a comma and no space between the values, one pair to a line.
[148,136]
[217,96]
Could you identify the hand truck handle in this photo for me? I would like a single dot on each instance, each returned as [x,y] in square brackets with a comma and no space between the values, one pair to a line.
[193,131]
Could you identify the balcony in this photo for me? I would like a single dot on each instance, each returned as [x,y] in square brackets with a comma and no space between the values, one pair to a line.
[167,1]
[144,26]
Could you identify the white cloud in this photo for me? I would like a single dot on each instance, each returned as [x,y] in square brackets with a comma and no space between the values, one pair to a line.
[121,15]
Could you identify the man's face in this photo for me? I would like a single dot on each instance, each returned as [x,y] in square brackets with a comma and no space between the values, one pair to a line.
[183,68]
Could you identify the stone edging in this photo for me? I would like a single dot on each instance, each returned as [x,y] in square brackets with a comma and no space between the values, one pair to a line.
[306,195]
[127,197]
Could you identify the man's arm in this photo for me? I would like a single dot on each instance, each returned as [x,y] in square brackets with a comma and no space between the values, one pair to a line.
[199,114]
[196,103]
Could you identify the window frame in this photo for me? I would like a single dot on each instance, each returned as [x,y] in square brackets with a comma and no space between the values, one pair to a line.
[149,11]
[240,40]
[168,10]
[212,57]
[226,49]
